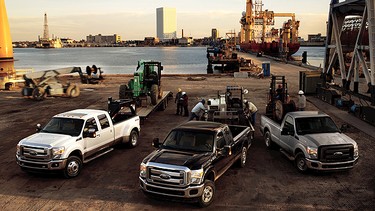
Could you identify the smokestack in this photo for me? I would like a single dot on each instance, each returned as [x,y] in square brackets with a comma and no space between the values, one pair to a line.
[182,33]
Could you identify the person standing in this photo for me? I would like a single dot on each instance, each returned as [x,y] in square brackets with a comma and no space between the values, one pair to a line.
[301,103]
[197,111]
[185,103]
[179,101]
[252,109]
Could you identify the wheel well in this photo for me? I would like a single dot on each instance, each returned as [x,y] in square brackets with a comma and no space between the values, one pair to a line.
[210,176]
[76,153]
[296,151]
[265,130]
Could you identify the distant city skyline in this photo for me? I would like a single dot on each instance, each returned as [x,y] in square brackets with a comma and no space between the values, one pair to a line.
[135,20]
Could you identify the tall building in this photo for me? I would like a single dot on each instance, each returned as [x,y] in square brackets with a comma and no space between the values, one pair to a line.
[166,23]
[214,34]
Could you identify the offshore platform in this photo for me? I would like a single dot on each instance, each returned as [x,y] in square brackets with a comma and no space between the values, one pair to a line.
[46,41]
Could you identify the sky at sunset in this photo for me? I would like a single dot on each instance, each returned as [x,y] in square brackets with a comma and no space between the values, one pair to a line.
[137,19]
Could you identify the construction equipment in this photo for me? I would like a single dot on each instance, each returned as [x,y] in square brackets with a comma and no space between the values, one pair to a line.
[146,82]
[229,107]
[279,102]
[47,83]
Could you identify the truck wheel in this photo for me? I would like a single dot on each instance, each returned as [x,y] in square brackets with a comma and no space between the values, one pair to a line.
[38,93]
[154,93]
[300,162]
[133,139]
[208,194]
[268,141]
[243,158]
[73,167]
[73,91]
[124,92]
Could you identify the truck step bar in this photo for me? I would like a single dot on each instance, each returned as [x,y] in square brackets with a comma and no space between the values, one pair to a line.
[100,153]
[287,154]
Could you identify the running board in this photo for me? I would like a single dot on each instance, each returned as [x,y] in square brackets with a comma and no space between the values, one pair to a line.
[98,155]
[287,155]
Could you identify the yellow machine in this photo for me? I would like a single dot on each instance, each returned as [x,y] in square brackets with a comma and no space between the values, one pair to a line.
[8,76]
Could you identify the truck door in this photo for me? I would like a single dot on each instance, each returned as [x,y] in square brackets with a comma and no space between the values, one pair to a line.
[90,143]
[106,133]
[222,161]
[287,140]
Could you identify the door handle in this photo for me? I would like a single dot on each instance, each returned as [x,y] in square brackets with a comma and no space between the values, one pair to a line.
[97,135]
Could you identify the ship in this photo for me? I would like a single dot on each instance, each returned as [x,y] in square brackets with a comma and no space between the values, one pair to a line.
[258,34]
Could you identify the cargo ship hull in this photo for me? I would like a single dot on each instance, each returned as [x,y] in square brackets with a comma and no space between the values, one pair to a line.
[271,49]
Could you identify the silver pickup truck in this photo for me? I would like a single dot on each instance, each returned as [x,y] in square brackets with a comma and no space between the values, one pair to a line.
[312,140]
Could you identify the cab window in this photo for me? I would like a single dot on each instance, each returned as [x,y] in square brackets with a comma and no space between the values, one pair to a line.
[103,120]
[90,124]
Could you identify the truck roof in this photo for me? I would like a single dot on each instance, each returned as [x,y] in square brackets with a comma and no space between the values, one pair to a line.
[80,113]
[202,125]
[297,114]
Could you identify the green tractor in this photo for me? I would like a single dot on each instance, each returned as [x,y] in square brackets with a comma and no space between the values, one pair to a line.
[146,82]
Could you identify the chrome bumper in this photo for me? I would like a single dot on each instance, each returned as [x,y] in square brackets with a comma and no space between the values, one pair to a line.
[317,165]
[188,192]
[41,165]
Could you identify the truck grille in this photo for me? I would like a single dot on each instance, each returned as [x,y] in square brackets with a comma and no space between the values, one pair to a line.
[35,153]
[336,153]
[165,176]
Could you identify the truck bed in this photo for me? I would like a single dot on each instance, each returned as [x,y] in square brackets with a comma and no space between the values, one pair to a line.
[143,112]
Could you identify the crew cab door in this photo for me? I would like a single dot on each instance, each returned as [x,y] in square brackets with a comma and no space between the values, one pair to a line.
[91,141]
[287,135]
[106,132]
[223,158]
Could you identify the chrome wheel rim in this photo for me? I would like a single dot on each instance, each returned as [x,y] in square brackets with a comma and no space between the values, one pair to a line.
[134,140]
[73,168]
[243,158]
[207,195]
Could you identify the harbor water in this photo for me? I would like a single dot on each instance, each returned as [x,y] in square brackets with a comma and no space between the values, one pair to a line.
[123,60]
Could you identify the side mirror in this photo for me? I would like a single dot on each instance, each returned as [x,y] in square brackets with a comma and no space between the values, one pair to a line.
[156,143]
[225,151]
[286,132]
[344,127]
[90,133]
[38,127]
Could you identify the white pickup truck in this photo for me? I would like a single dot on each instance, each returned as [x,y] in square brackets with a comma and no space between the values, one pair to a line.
[312,140]
[75,137]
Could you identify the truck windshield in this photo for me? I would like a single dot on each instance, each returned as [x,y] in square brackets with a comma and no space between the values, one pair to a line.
[311,125]
[66,126]
[189,140]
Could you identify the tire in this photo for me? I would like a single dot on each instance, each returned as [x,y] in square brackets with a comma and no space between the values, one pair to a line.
[133,139]
[300,162]
[154,94]
[243,157]
[208,194]
[124,92]
[73,167]
[73,91]
[268,140]
[38,93]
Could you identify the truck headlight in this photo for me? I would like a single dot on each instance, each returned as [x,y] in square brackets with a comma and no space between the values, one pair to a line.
[356,152]
[313,152]
[196,176]
[142,170]
[57,152]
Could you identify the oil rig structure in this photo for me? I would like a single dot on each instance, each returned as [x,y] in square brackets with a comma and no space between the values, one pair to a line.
[46,41]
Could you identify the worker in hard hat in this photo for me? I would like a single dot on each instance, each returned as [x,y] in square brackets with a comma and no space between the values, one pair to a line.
[301,102]
[198,110]
[179,100]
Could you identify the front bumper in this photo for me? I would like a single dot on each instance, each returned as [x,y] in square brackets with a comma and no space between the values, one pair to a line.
[41,165]
[321,166]
[186,192]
